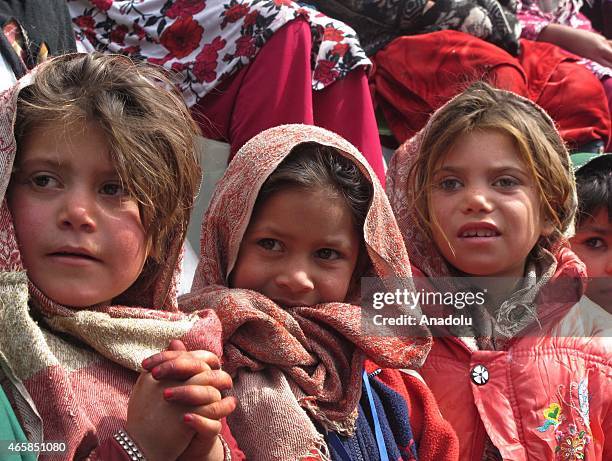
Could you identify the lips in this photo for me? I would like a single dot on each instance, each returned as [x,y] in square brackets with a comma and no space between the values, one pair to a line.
[288,304]
[478,230]
[74,252]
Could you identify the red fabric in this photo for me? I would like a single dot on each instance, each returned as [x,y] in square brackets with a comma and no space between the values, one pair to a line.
[237,454]
[607,84]
[534,373]
[435,438]
[272,91]
[571,94]
[110,450]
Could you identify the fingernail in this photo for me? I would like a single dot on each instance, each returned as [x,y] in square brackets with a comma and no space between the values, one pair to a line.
[156,372]
[168,393]
[146,362]
[188,418]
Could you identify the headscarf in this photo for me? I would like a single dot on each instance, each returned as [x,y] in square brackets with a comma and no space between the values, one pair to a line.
[79,366]
[424,254]
[286,360]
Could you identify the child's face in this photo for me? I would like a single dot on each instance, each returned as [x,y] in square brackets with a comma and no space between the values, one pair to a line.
[81,238]
[593,245]
[300,249]
[486,205]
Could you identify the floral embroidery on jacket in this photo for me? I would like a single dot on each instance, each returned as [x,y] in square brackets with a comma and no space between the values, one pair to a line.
[571,444]
[553,417]
[571,438]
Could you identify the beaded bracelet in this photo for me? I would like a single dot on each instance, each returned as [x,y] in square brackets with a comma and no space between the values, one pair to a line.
[135,455]
[227,453]
[129,446]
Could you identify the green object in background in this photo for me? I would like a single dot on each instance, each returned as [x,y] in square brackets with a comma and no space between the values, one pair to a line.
[580,159]
[11,432]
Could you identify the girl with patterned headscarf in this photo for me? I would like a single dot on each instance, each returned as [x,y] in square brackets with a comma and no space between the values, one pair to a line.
[98,175]
[294,224]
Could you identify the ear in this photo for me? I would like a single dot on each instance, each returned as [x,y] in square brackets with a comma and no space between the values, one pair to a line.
[151,250]
[547,228]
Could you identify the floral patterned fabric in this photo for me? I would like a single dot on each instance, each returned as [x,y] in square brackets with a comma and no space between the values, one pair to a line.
[206,42]
[378,22]
[535,15]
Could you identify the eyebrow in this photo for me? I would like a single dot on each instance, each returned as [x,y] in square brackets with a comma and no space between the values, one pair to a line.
[596,230]
[266,229]
[53,162]
[50,161]
[497,170]
[332,241]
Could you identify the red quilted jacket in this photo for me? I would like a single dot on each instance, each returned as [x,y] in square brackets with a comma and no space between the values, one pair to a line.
[547,397]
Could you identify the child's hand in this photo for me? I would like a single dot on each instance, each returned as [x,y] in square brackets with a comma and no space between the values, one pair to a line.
[199,394]
[155,424]
[584,43]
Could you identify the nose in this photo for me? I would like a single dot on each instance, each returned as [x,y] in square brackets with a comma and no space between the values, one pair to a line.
[476,200]
[295,279]
[77,211]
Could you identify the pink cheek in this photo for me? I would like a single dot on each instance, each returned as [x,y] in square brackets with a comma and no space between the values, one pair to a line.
[127,237]
[129,244]
[30,226]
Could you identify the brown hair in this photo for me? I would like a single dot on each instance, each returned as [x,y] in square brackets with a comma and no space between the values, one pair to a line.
[482,107]
[313,166]
[149,131]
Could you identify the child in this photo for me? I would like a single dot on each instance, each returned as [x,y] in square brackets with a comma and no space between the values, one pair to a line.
[485,190]
[293,224]
[593,240]
[99,175]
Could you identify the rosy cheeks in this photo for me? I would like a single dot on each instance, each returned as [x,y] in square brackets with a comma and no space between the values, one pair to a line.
[81,238]
[484,206]
[300,249]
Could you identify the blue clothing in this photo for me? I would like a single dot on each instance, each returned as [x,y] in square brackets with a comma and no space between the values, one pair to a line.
[394,421]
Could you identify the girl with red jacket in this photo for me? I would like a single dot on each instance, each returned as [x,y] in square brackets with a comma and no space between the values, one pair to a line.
[485,190]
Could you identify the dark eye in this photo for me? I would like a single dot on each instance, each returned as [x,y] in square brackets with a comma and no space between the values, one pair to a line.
[44,181]
[112,189]
[506,181]
[328,254]
[450,184]
[594,243]
[269,244]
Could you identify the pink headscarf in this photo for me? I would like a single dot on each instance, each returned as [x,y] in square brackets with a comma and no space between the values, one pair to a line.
[286,360]
[79,366]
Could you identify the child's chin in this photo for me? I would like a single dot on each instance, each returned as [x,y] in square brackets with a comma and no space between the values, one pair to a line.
[79,302]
